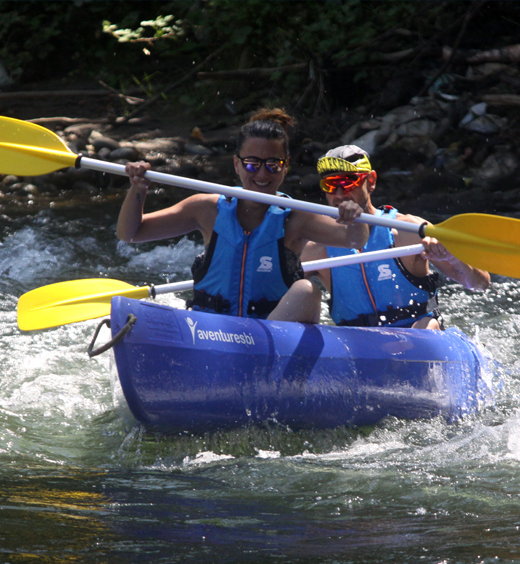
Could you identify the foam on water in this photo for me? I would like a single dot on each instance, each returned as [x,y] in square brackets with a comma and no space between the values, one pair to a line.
[51,375]
[389,493]
[25,256]
[173,262]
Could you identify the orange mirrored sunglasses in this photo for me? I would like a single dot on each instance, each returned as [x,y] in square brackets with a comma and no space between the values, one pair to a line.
[347,181]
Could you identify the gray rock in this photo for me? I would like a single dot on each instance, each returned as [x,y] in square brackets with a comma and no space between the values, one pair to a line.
[31,189]
[159,145]
[369,141]
[370,124]
[475,111]
[99,141]
[125,153]
[104,153]
[195,149]
[403,114]
[82,186]
[16,188]
[419,127]
[352,133]
[419,144]
[498,166]
[10,179]
[83,130]
[487,124]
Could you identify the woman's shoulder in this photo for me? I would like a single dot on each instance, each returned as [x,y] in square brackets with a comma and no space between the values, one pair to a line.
[200,201]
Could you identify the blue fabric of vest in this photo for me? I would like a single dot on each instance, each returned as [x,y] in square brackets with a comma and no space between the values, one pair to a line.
[391,285]
[255,261]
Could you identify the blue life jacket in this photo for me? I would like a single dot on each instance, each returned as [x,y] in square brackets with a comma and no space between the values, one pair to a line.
[244,274]
[380,292]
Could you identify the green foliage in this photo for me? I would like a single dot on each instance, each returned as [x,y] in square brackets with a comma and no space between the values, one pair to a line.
[32,41]
[149,30]
[41,40]
[339,44]
[260,33]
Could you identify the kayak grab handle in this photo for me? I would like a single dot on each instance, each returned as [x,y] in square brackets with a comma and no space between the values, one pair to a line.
[130,322]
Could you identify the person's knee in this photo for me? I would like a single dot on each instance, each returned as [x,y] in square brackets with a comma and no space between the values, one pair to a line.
[307,288]
[302,303]
[311,296]
[433,324]
[427,323]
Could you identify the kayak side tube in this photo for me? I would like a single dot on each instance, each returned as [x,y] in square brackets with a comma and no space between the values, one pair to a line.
[190,371]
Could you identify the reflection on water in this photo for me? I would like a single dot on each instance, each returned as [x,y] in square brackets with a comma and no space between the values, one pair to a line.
[75,487]
[36,510]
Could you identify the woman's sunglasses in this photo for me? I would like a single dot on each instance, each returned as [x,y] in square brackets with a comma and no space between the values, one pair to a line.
[346,181]
[253,164]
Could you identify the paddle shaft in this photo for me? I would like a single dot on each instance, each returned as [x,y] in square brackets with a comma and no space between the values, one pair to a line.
[312,265]
[79,300]
[242,194]
[483,241]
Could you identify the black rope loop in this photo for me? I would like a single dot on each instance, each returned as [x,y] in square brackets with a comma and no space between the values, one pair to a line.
[130,322]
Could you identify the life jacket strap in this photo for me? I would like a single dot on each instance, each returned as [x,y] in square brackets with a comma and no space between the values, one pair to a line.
[391,315]
[262,307]
[206,301]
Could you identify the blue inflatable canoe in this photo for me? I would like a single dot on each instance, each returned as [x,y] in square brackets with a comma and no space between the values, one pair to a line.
[189,371]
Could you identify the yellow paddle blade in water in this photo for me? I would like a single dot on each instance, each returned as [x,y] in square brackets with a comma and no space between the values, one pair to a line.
[488,242]
[72,301]
[27,149]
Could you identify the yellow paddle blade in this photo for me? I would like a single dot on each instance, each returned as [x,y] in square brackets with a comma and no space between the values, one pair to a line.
[72,301]
[27,133]
[27,149]
[488,242]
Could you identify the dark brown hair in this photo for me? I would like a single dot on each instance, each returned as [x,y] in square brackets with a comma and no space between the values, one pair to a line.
[267,123]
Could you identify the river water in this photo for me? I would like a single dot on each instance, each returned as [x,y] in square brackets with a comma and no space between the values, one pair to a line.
[76,487]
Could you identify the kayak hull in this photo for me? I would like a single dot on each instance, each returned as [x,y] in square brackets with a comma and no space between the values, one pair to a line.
[190,371]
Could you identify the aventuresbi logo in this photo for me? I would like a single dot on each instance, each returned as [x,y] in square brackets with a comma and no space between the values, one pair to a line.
[193,326]
[220,336]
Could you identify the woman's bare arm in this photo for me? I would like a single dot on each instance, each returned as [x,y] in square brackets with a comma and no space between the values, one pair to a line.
[342,232]
[197,212]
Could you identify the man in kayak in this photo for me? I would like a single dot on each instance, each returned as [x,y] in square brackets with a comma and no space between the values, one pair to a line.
[251,265]
[399,292]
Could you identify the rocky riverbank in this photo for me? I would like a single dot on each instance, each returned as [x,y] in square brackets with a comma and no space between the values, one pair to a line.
[449,152]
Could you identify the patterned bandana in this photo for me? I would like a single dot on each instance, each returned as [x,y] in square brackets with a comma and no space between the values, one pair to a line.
[348,158]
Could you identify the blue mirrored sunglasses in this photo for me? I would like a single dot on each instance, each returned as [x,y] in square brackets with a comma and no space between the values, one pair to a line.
[253,164]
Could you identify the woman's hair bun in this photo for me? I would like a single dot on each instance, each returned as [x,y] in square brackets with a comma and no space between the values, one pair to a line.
[278,115]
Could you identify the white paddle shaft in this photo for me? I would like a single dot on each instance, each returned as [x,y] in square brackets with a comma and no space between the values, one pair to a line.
[240,193]
[314,265]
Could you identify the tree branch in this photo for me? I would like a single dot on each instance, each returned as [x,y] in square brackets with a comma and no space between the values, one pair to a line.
[244,74]
[476,5]
[171,86]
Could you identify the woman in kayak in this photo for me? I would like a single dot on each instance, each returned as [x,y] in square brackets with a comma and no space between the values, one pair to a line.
[250,266]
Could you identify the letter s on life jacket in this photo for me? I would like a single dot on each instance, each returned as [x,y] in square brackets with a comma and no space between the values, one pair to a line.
[385,273]
[266,264]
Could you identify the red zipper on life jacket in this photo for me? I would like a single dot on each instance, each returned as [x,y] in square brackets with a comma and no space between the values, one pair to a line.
[366,284]
[241,296]
[387,209]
